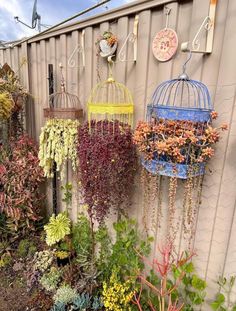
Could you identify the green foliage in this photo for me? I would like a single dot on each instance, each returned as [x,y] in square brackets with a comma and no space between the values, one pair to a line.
[192,288]
[50,280]
[126,251]
[58,227]
[65,294]
[43,260]
[82,238]
[5,260]
[26,248]
[67,193]
[223,300]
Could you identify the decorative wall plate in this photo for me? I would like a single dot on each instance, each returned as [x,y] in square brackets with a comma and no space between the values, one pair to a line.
[165,44]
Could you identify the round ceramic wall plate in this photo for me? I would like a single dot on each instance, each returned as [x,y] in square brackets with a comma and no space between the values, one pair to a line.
[165,44]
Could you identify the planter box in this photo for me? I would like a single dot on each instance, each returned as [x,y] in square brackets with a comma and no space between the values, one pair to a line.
[63,113]
[183,171]
[179,113]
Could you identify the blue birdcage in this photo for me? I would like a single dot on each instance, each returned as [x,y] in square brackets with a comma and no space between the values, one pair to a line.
[189,102]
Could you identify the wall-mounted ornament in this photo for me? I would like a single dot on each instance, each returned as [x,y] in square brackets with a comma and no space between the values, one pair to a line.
[165,43]
[133,39]
[79,49]
[107,44]
[205,31]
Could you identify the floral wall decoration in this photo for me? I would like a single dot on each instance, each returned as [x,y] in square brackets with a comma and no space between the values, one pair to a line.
[177,141]
[58,144]
[107,165]
[107,44]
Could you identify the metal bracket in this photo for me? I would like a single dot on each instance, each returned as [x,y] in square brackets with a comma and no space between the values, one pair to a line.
[80,50]
[208,25]
[132,38]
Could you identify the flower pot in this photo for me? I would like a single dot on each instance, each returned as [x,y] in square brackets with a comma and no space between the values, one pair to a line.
[182,171]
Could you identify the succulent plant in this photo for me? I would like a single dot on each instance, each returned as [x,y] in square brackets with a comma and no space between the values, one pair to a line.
[50,280]
[58,227]
[43,260]
[65,294]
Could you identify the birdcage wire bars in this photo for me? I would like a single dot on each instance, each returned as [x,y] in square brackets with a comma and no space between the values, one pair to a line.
[63,105]
[187,103]
[110,100]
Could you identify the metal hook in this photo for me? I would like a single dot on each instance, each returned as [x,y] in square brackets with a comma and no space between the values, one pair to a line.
[110,67]
[184,76]
[167,13]
[63,89]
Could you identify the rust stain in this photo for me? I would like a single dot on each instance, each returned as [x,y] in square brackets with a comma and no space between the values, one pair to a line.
[213,2]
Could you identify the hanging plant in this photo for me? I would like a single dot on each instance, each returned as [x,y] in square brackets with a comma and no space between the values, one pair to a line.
[175,141]
[58,143]
[107,165]
[6,105]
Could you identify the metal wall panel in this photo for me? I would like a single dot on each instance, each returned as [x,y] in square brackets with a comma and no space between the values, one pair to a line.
[216,219]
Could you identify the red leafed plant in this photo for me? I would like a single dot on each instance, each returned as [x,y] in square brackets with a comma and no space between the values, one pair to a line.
[162,268]
[20,178]
[107,164]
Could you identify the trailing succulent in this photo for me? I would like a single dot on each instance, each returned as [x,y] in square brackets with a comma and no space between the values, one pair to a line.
[107,165]
[58,143]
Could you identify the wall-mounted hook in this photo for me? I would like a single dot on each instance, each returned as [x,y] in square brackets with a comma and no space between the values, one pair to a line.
[208,25]
[131,38]
[79,49]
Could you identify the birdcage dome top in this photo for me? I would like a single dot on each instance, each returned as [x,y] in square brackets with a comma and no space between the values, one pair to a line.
[181,99]
[110,93]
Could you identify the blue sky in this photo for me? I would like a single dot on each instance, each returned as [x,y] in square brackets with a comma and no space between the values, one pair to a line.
[51,11]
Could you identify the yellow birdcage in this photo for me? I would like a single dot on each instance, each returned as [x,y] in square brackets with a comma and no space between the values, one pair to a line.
[110,100]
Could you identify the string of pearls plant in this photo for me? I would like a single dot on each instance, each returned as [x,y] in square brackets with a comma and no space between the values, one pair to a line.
[58,143]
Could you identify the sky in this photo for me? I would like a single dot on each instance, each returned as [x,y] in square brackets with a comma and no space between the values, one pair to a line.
[51,11]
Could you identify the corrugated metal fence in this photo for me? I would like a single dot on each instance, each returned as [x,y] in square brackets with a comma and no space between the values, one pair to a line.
[216,219]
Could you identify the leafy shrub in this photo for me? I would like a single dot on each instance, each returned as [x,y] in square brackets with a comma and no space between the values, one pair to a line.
[223,300]
[26,248]
[125,252]
[20,178]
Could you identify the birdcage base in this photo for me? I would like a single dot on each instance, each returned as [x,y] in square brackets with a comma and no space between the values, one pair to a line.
[182,171]
[179,113]
[63,113]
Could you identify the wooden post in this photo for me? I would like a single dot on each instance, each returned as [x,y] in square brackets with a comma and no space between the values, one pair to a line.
[54,180]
